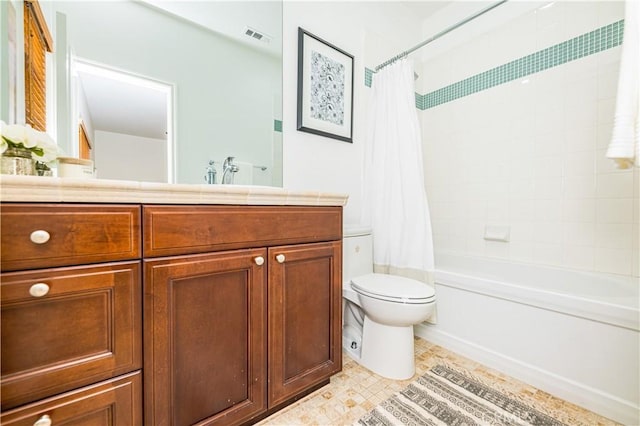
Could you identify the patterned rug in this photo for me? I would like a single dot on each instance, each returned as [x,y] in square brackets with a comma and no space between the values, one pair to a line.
[444,396]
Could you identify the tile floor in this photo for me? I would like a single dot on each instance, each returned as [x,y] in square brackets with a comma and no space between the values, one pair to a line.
[355,391]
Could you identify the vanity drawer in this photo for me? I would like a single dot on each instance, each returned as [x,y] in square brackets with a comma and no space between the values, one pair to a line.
[84,325]
[67,234]
[113,402]
[171,230]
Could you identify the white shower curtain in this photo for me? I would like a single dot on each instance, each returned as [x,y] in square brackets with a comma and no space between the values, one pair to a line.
[394,198]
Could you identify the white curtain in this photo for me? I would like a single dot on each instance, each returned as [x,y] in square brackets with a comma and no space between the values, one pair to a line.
[394,197]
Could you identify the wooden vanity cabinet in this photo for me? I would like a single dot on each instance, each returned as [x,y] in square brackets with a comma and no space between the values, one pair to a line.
[248,326]
[237,308]
[71,313]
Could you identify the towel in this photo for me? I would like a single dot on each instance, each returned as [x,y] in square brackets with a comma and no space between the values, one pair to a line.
[624,147]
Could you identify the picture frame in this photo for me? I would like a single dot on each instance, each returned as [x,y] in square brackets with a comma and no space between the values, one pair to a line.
[325,88]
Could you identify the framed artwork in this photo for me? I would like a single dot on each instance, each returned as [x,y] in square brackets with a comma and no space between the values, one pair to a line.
[325,88]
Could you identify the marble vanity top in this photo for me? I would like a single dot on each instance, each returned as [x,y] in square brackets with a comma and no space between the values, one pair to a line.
[53,189]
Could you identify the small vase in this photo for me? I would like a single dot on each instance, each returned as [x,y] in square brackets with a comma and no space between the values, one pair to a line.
[17,161]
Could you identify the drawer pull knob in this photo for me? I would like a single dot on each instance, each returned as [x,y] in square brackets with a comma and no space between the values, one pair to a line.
[259,260]
[43,421]
[40,236]
[280,258]
[39,290]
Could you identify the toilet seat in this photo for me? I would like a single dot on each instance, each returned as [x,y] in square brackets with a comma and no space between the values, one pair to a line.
[393,288]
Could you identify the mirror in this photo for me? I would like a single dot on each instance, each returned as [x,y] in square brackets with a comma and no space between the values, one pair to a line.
[214,67]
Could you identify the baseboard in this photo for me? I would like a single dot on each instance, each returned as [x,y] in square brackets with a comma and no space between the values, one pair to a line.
[592,399]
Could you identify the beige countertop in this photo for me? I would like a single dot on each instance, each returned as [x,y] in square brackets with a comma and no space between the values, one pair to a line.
[53,189]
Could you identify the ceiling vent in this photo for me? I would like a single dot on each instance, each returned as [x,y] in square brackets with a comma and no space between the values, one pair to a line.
[257,35]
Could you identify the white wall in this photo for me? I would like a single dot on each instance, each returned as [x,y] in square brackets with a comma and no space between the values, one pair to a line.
[531,155]
[224,89]
[371,32]
[128,157]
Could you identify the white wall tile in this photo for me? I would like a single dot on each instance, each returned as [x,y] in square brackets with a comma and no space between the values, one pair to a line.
[496,249]
[547,254]
[614,210]
[614,235]
[521,252]
[603,134]
[547,232]
[582,138]
[521,232]
[581,17]
[579,187]
[547,210]
[532,156]
[578,257]
[615,185]
[606,110]
[579,233]
[609,12]
[521,210]
[548,188]
[580,163]
[614,261]
[579,210]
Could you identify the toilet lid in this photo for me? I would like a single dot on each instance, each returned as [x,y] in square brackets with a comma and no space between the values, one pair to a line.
[393,288]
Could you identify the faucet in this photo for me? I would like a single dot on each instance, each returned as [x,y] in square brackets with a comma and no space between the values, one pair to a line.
[210,177]
[228,167]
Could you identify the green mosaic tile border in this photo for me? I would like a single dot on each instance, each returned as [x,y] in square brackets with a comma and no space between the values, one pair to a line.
[586,44]
[277,125]
[368,77]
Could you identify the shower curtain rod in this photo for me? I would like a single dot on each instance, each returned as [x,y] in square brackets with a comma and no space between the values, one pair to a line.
[440,34]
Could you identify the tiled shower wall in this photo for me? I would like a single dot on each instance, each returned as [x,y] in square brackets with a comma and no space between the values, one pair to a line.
[530,153]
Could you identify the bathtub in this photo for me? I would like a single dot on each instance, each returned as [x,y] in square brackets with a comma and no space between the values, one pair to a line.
[573,334]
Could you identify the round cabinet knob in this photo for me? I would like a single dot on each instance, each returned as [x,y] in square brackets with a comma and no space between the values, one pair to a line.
[259,260]
[40,236]
[43,421]
[280,258]
[39,290]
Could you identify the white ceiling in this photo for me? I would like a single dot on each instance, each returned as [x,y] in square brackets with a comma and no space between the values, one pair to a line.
[424,9]
[230,18]
[144,113]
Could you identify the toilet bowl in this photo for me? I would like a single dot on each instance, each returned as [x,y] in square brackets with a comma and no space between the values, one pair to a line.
[380,311]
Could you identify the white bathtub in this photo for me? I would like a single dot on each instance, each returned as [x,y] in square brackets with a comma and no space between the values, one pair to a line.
[575,335]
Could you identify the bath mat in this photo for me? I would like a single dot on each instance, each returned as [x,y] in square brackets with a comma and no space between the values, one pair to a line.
[444,396]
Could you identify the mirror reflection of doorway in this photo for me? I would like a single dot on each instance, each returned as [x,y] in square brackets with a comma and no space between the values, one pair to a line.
[124,123]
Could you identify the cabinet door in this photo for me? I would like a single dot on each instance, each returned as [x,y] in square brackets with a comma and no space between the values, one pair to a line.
[114,402]
[305,318]
[85,325]
[205,334]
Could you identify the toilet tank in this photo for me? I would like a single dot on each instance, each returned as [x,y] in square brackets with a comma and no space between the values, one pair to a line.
[357,252]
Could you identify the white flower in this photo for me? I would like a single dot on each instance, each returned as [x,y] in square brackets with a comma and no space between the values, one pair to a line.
[49,148]
[14,132]
[31,137]
[42,147]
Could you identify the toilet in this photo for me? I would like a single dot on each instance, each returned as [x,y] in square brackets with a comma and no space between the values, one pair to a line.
[380,310]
